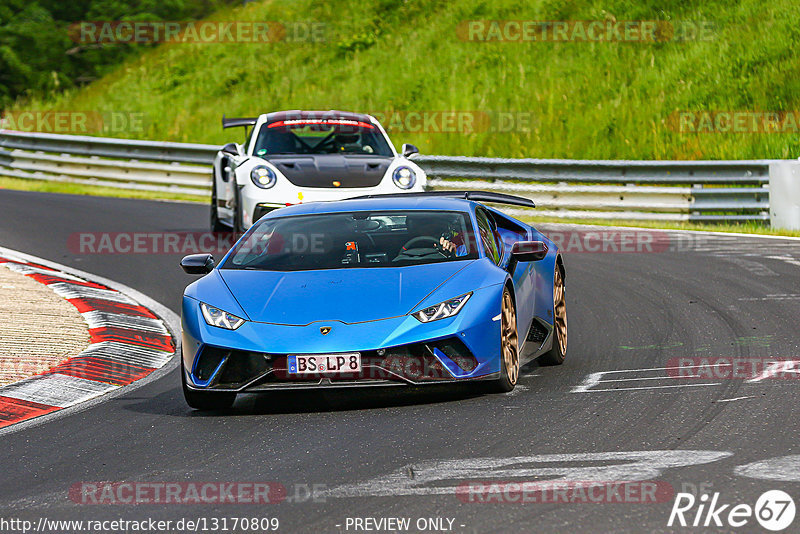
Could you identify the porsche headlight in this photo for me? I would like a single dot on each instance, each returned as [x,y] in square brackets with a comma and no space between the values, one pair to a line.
[443,310]
[404,177]
[216,317]
[263,177]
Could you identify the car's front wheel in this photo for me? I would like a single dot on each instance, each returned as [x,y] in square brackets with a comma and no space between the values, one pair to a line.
[206,400]
[509,346]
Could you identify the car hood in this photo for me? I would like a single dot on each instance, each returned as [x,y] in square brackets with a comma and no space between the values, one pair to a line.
[322,170]
[346,295]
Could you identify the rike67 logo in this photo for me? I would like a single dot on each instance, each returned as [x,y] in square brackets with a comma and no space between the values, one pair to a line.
[774,510]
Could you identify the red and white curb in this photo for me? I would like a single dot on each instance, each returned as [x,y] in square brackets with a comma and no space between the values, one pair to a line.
[130,339]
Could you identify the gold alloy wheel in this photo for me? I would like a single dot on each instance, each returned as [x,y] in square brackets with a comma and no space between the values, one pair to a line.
[509,335]
[560,308]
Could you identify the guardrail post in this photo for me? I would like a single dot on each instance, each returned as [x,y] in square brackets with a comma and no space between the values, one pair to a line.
[784,195]
[5,158]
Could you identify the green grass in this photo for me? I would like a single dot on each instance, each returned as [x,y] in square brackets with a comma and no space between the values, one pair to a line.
[585,100]
[19,184]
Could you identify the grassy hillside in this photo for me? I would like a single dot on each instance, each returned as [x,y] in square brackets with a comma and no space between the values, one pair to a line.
[579,99]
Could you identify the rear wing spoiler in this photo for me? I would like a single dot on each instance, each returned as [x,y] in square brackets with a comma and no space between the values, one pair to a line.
[233,123]
[477,196]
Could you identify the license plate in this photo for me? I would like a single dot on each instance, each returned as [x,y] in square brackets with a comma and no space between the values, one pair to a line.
[302,364]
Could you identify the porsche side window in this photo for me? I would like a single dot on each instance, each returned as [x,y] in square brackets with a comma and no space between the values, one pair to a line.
[486,228]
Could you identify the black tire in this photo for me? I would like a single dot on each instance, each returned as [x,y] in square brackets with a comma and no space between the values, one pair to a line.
[238,227]
[558,352]
[509,347]
[206,400]
[216,224]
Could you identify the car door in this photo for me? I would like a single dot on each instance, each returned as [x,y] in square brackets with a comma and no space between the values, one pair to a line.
[498,240]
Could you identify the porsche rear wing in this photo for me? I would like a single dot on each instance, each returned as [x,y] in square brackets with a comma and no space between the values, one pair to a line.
[233,123]
[477,196]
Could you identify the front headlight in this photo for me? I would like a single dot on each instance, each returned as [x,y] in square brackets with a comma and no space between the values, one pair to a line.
[216,317]
[404,177]
[443,310]
[263,177]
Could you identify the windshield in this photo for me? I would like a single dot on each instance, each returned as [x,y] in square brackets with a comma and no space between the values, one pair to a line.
[321,136]
[355,239]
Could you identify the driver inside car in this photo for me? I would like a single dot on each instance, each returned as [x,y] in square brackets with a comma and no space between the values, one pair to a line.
[449,242]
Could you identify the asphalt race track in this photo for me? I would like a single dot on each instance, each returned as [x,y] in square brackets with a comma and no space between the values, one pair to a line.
[400,453]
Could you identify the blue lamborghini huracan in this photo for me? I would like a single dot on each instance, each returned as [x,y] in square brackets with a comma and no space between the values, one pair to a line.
[384,290]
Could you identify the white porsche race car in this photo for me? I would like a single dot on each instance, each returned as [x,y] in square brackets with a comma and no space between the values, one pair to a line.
[290,157]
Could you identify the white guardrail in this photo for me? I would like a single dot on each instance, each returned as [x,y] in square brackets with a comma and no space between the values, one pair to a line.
[638,190]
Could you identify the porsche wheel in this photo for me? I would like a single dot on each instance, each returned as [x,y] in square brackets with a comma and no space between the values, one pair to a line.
[509,346]
[558,352]
[206,400]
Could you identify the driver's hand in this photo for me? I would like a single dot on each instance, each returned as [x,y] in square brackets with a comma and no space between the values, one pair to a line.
[447,245]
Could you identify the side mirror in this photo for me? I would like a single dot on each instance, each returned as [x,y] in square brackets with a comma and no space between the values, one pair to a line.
[231,149]
[198,264]
[529,250]
[409,150]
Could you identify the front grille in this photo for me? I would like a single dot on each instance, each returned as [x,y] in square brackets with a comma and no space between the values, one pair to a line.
[240,367]
[416,362]
[208,361]
[455,350]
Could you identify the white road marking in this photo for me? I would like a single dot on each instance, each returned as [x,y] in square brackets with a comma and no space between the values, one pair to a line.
[783,367]
[517,390]
[595,379]
[736,398]
[782,468]
[753,267]
[779,296]
[786,259]
[443,477]
[640,388]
